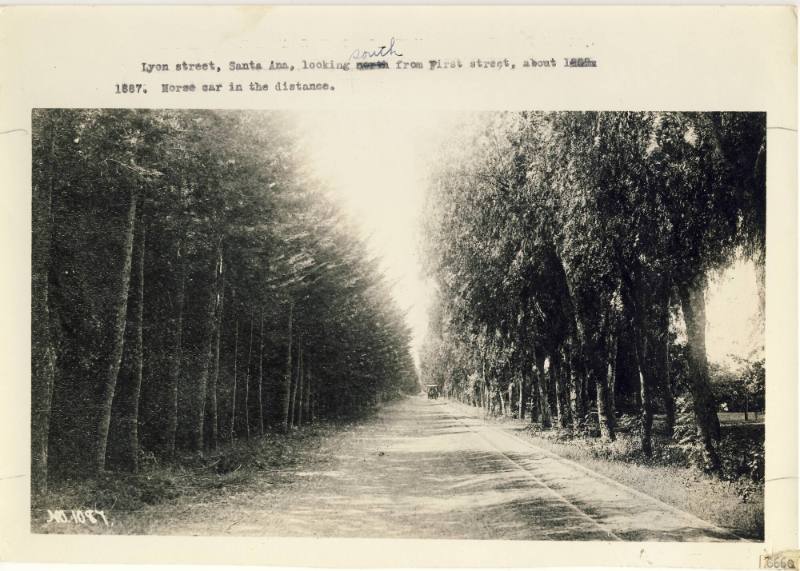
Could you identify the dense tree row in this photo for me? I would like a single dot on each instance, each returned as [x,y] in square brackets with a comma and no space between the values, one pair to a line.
[191,284]
[568,248]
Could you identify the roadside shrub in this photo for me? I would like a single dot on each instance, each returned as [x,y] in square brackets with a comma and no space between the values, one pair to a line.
[686,440]
[741,457]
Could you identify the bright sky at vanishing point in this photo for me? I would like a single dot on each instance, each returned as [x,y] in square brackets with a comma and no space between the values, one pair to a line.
[376,162]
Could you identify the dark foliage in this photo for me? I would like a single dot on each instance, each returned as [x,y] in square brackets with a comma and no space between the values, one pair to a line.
[171,249]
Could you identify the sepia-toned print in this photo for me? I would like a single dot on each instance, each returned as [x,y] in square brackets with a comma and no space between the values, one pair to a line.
[517,325]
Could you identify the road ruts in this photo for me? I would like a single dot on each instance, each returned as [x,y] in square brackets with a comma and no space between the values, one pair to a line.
[429,469]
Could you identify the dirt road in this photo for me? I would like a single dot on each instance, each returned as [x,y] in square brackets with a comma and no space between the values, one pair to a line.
[428,469]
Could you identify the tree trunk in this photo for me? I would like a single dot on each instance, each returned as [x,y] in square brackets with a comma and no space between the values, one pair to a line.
[124,429]
[655,332]
[550,389]
[661,365]
[307,414]
[313,405]
[235,372]
[139,354]
[210,412]
[643,345]
[541,393]
[247,381]
[298,370]
[533,394]
[43,358]
[177,355]
[577,384]
[301,382]
[693,305]
[485,392]
[646,391]
[118,335]
[575,347]
[292,388]
[646,303]
[603,368]
[561,372]
[215,377]
[261,375]
[605,406]
[206,354]
[287,384]
[761,284]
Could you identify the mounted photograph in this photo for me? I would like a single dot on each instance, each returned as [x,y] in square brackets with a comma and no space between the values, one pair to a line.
[423,324]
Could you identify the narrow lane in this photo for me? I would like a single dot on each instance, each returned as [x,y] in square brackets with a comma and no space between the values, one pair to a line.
[430,469]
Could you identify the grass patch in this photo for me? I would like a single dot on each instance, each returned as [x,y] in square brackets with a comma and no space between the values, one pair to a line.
[738,418]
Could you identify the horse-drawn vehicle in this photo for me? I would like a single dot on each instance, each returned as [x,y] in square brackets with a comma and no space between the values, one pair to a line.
[433,391]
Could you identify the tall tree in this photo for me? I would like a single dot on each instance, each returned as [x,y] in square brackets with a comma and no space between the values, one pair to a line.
[43,356]
[125,408]
[118,336]
[287,386]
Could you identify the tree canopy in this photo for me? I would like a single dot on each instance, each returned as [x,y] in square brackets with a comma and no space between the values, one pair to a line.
[564,244]
[193,283]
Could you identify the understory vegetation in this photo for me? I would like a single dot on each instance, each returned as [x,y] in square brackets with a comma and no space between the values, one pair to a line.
[136,501]
[193,288]
[571,254]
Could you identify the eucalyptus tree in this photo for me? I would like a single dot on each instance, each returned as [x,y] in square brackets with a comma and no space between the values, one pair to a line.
[552,234]
[712,171]
[52,133]
[490,259]
[653,202]
[608,171]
